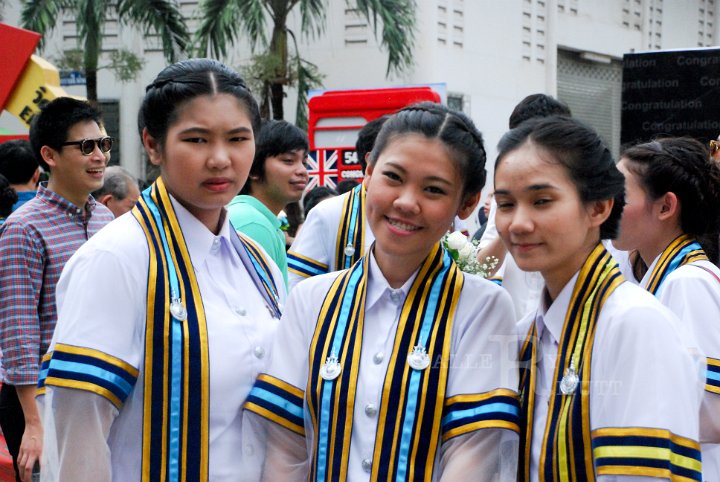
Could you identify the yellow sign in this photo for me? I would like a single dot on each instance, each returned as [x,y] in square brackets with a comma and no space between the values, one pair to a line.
[38,85]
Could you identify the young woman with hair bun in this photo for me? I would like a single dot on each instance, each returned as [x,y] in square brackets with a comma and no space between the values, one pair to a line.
[671,219]
[608,388]
[166,316]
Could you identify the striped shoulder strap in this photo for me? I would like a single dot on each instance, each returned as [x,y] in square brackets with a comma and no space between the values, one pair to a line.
[351,231]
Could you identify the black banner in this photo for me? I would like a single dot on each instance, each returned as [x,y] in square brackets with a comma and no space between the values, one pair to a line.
[671,93]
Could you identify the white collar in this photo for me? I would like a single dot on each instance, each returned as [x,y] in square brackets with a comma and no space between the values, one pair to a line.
[198,238]
[378,285]
[553,317]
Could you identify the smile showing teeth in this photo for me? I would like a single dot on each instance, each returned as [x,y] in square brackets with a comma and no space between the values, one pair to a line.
[405,227]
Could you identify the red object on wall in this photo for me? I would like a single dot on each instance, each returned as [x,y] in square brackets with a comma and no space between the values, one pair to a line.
[335,117]
[17,47]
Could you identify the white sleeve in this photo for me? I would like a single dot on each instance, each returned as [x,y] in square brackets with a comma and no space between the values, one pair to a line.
[308,256]
[483,379]
[694,296]
[487,455]
[275,409]
[645,390]
[76,427]
[490,233]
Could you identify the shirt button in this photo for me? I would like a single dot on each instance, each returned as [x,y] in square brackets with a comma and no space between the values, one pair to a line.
[370,410]
[396,296]
[378,357]
[240,311]
[216,244]
[366,465]
[259,352]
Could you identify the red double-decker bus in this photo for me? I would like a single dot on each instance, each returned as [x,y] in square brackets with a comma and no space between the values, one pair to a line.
[336,117]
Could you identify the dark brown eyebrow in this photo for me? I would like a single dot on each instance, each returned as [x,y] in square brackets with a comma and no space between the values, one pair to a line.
[431,178]
[533,187]
[202,130]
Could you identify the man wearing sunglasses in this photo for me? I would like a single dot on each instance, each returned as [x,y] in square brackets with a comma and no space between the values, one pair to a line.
[35,243]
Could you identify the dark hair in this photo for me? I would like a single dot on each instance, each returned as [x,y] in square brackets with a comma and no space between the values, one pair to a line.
[346,185]
[454,129]
[8,197]
[683,166]
[184,81]
[315,195]
[537,105]
[51,125]
[579,149]
[275,137]
[116,181]
[17,161]
[366,139]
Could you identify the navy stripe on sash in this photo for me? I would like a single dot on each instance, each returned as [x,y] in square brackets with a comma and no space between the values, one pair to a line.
[90,370]
[646,452]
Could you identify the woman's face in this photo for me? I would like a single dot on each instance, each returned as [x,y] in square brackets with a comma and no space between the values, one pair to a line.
[414,191]
[636,224]
[540,216]
[207,155]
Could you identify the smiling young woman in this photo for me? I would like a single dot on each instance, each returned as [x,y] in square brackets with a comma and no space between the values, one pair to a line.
[599,353]
[147,373]
[395,367]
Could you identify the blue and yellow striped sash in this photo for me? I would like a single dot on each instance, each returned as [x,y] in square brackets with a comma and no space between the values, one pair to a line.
[683,250]
[277,401]
[351,231]
[304,266]
[566,453]
[646,452]
[412,402]
[87,369]
[176,366]
[713,376]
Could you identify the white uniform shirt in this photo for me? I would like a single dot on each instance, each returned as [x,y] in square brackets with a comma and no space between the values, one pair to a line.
[693,295]
[102,305]
[317,238]
[482,347]
[641,374]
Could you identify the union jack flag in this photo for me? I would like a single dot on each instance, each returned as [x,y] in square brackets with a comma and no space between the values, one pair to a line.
[323,168]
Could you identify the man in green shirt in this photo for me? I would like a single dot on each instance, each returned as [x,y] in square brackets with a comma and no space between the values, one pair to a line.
[278,177]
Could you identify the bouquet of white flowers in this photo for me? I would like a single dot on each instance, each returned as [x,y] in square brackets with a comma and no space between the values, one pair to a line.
[465,251]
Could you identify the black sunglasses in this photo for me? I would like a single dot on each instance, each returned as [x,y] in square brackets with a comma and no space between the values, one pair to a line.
[87,146]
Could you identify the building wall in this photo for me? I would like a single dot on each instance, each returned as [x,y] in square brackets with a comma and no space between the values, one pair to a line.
[490,53]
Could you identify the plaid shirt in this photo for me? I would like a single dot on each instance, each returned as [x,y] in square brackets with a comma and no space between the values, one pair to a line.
[35,243]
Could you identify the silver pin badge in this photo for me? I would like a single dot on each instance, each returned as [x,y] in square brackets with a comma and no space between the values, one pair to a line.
[331,368]
[419,359]
[349,250]
[570,380]
[177,309]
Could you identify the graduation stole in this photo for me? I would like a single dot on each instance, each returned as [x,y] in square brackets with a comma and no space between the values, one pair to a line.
[176,366]
[409,418]
[567,452]
[351,231]
[683,250]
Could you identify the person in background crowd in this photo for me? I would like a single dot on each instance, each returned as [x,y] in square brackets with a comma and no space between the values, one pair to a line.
[604,372]
[346,185]
[119,192]
[278,177]
[673,198]
[395,366]
[36,242]
[19,164]
[316,196]
[336,234]
[156,384]
[8,198]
